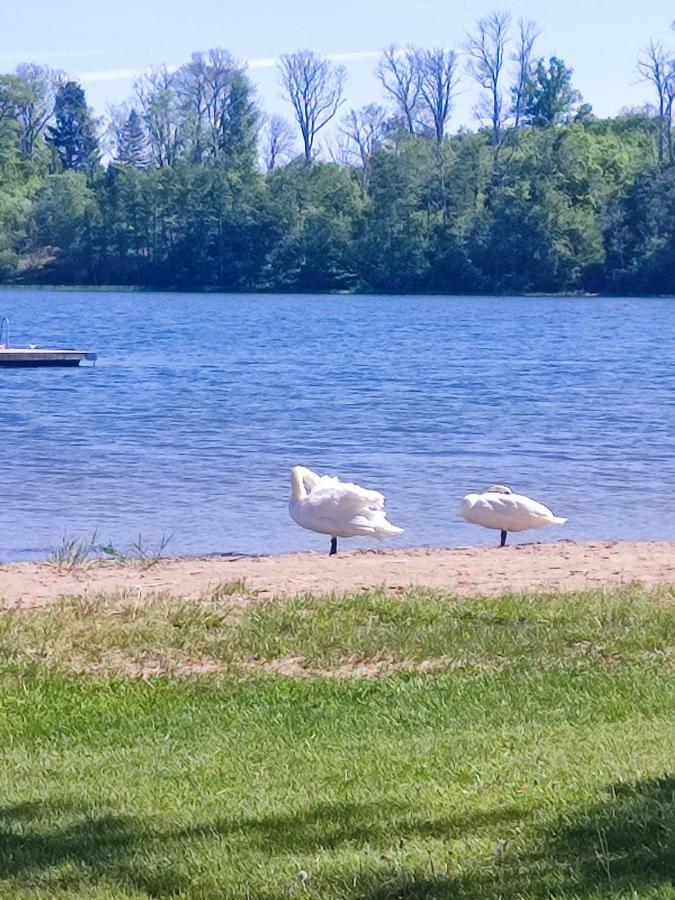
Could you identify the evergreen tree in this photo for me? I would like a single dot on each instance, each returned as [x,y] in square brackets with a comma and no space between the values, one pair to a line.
[132,143]
[73,135]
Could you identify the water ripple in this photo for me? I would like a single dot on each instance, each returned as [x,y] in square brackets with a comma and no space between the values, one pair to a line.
[200,403]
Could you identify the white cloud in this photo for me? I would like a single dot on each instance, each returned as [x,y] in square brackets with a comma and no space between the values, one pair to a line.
[262,63]
[354,57]
[110,75]
[52,54]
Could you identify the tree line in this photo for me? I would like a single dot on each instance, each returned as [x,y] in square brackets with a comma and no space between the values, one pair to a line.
[190,185]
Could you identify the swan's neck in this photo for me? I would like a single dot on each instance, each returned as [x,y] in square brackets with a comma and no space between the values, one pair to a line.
[298,491]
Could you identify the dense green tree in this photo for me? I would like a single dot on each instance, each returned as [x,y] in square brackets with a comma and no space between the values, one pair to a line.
[66,216]
[550,98]
[126,225]
[545,197]
[640,236]
[15,222]
[12,91]
[215,242]
[237,131]
[73,134]
[393,250]
[319,210]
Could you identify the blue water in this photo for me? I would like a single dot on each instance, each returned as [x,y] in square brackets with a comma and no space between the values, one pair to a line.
[200,403]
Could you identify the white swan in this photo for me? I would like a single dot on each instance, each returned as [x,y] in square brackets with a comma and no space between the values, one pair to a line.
[500,508]
[327,505]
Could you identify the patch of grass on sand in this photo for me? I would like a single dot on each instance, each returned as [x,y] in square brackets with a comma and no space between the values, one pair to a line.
[513,748]
[81,553]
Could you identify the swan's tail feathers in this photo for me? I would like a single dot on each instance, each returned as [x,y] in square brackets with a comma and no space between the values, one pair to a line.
[388,530]
[375,523]
[558,520]
[382,527]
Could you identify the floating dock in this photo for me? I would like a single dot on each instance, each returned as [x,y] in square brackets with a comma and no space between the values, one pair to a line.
[37,356]
[29,356]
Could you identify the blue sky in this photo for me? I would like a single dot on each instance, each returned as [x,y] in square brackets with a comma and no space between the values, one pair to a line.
[104,43]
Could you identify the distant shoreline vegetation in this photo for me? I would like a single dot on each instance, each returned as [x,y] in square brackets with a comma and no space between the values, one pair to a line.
[189,186]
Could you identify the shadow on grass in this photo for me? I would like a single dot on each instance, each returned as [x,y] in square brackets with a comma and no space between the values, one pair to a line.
[327,826]
[624,845]
[27,841]
[627,842]
[63,844]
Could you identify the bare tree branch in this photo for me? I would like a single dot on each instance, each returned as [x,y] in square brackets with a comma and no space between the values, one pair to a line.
[528,32]
[365,131]
[438,81]
[656,66]
[486,50]
[278,142]
[400,75]
[216,104]
[37,105]
[314,88]
[156,94]
[116,118]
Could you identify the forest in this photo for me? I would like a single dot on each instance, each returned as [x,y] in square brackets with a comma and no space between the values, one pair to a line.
[191,186]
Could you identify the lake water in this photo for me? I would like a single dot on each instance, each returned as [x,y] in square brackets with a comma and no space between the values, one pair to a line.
[199,404]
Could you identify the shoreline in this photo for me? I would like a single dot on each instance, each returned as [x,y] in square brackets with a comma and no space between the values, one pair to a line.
[322,292]
[564,565]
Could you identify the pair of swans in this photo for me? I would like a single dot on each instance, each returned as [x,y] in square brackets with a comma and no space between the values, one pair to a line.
[340,509]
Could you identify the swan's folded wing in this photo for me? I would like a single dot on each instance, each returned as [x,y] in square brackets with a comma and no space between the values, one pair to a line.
[526,506]
[344,510]
[343,505]
[344,492]
[485,510]
[515,512]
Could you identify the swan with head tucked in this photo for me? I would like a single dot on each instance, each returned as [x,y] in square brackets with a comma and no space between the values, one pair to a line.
[329,506]
[498,507]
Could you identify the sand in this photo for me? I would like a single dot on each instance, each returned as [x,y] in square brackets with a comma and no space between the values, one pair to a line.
[566,565]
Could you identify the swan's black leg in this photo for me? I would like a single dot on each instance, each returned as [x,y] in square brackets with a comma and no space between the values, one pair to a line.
[503,543]
[333,546]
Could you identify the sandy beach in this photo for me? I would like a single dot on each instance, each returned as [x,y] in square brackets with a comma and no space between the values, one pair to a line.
[565,565]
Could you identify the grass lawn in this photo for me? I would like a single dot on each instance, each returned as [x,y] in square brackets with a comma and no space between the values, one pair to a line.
[371,747]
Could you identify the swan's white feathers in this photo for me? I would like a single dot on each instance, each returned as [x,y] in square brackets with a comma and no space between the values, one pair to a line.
[345,494]
[340,509]
[507,512]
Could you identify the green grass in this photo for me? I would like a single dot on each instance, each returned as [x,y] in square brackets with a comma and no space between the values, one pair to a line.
[516,748]
[79,553]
